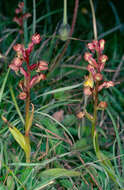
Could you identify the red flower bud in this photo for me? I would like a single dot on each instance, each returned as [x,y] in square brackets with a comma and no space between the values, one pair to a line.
[14,67]
[21,5]
[22,96]
[17,61]
[19,21]
[109,84]
[96,45]
[102,105]
[42,66]
[36,79]
[80,115]
[18,48]
[87,56]
[36,38]
[91,69]
[103,58]
[21,85]
[17,11]
[26,15]
[98,77]
[101,44]
[91,47]
[87,91]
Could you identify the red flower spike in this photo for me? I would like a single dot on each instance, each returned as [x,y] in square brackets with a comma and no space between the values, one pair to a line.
[17,61]
[22,96]
[42,66]
[36,38]
[19,21]
[23,72]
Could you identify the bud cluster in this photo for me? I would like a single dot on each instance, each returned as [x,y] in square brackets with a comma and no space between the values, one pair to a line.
[96,60]
[23,56]
[19,17]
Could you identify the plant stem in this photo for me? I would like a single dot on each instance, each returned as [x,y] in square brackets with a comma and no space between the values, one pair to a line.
[65,13]
[27,107]
[28,98]
[34,16]
[94,20]
[25,25]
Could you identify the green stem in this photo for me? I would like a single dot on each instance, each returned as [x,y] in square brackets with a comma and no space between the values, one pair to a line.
[94,132]
[34,16]
[27,114]
[65,13]
[94,20]
[28,79]
[25,26]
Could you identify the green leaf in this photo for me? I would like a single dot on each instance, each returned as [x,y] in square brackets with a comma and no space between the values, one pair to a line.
[51,174]
[29,124]
[82,144]
[2,187]
[22,141]
[10,183]
[59,172]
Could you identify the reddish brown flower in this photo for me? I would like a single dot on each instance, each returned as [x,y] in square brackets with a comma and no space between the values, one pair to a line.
[87,91]
[21,5]
[87,56]
[101,44]
[42,66]
[22,96]
[14,67]
[17,11]
[80,115]
[102,105]
[17,61]
[19,21]
[98,77]
[36,38]
[91,69]
[103,58]
[36,79]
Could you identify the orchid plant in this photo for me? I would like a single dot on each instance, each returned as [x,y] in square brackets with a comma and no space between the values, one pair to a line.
[93,85]
[21,63]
